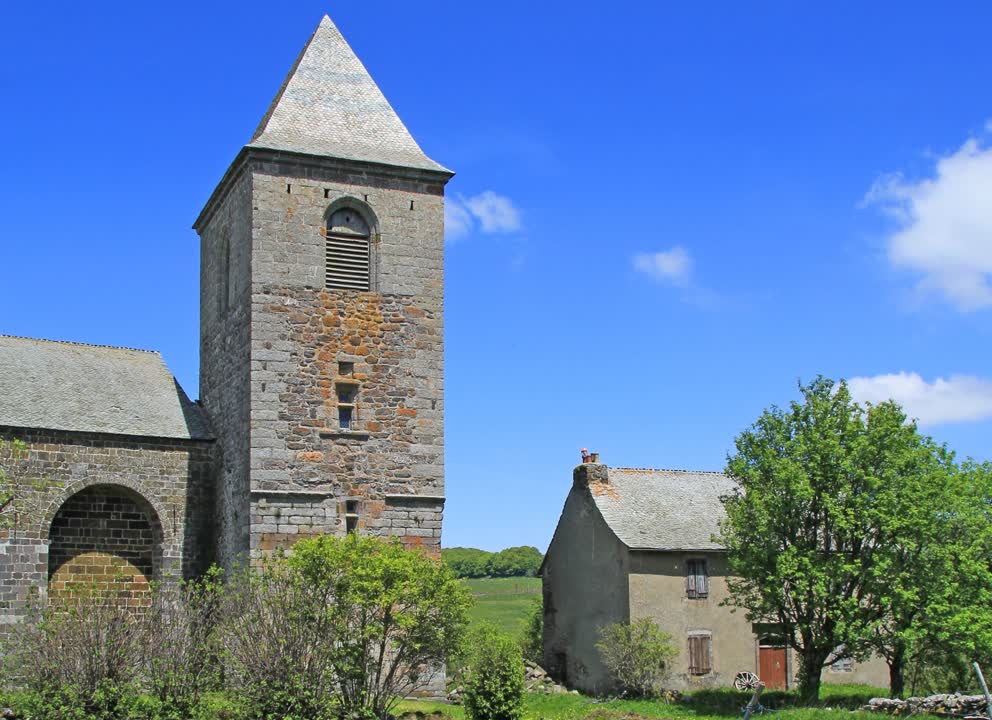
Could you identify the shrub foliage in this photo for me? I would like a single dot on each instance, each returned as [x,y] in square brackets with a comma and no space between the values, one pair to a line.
[342,627]
[494,681]
[637,655]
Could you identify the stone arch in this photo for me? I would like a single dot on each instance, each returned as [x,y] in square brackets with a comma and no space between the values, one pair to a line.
[360,206]
[105,536]
[369,219]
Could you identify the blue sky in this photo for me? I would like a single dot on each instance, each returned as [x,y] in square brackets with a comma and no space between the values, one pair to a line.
[664,214]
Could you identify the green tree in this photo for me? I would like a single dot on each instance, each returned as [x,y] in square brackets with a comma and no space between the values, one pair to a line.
[396,615]
[494,682]
[638,656]
[914,578]
[518,561]
[342,627]
[467,562]
[532,641]
[815,524]
[952,622]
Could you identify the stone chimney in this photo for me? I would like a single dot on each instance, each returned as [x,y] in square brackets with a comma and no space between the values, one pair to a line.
[590,471]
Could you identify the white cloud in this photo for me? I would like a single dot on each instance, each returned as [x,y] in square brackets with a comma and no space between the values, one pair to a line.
[494,213]
[945,225]
[457,220]
[673,266]
[959,398]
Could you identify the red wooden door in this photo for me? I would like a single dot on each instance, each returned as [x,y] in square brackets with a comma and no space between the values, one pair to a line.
[771,666]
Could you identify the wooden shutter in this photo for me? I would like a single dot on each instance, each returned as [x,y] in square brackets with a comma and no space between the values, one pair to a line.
[699,654]
[346,251]
[704,654]
[696,579]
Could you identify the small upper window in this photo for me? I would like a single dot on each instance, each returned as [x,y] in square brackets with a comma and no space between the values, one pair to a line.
[697,579]
[347,250]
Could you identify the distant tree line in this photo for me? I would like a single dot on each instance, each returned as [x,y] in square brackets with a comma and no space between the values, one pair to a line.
[522,561]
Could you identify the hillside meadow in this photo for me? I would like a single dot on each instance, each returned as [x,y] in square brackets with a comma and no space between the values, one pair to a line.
[503,602]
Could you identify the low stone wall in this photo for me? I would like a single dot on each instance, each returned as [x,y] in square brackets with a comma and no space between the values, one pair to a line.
[956,704]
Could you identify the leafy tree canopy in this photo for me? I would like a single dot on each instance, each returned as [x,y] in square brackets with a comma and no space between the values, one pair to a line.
[833,501]
[512,562]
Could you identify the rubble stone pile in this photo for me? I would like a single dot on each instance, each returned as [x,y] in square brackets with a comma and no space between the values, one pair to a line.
[536,680]
[948,704]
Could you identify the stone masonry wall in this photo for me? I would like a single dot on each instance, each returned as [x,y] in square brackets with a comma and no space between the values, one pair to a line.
[307,474]
[174,479]
[225,348]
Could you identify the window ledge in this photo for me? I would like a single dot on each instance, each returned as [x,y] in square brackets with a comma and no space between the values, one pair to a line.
[346,434]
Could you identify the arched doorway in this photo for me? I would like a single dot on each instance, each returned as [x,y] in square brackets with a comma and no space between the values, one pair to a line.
[105,538]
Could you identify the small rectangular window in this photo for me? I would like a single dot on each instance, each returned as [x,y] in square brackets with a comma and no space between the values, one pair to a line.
[697,579]
[351,523]
[842,665]
[346,368]
[344,418]
[699,654]
[346,394]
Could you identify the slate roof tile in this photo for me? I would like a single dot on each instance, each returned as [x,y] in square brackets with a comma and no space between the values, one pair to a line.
[663,509]
[329,105]
[93,388]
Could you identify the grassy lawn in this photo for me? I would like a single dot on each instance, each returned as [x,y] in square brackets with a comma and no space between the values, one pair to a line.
[837,702]
[504,602]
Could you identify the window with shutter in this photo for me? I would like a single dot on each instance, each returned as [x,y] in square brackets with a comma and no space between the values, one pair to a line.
[346,251]
[697,579]
[699,654]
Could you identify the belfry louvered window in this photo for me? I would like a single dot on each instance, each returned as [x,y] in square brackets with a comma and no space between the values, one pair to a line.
[347,250]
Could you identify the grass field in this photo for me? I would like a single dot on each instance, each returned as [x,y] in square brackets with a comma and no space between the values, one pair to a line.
[837,703]
[504,602]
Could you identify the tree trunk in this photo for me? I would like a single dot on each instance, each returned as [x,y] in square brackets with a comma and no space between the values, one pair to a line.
[897,669]
[810,669]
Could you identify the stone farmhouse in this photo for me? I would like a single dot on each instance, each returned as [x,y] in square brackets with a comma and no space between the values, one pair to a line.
[635,543]
[321,366]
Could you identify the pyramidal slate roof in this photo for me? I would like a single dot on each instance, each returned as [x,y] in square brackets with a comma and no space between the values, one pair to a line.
[663,509]
[93,388]
[329,105]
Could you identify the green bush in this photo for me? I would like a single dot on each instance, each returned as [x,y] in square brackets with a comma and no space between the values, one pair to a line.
[343,627]
[179,649]
[79,656]
[494,681]
[637,656]
[277,653]
[532,641]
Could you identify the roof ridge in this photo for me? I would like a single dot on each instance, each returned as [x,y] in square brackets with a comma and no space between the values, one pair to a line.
[329,105]
[80,344]
[675,470]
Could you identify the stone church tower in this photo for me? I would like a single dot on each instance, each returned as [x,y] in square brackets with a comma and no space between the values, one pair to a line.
[321,344]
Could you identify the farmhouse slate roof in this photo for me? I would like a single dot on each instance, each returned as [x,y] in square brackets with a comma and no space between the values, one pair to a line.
[663,509]
[93,388]
[329,105]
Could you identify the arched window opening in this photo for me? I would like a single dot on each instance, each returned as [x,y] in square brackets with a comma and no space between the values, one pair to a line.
[104,538]
[347,250]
